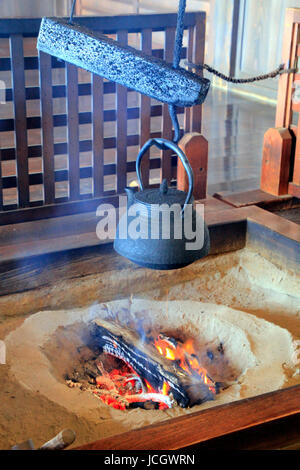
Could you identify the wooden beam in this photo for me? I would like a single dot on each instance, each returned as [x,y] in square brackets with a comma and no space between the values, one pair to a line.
[26,239]
[282,434]
[190,430]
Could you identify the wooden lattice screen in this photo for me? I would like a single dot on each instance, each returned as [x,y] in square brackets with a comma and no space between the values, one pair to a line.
[68,138]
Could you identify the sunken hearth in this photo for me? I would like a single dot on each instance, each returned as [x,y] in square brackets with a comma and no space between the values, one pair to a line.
[238,313]
[133,362]
[150,355]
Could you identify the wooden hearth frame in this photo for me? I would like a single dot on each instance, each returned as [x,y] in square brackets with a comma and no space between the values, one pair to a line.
[230,228]
[192,430]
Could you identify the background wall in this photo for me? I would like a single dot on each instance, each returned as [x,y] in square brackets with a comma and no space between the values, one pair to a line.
[34,8]
[258,41]
[138,6]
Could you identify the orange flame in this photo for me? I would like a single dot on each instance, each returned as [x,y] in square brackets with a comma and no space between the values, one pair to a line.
[185,356]
[164,391]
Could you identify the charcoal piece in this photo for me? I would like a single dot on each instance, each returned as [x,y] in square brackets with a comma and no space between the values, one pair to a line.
[125,65]
[146,405]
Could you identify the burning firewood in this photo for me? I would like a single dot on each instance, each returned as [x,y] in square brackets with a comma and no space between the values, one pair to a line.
[163,377]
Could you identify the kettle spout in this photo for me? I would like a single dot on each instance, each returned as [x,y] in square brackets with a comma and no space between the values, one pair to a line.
[130,193]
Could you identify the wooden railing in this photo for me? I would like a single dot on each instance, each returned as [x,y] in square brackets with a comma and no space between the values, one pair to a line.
[69,139]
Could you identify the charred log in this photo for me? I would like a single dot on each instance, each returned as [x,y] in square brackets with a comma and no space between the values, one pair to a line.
[187,390]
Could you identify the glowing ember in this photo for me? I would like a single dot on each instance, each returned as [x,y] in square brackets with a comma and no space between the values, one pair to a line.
[185,356]
[112,378]
[125,389]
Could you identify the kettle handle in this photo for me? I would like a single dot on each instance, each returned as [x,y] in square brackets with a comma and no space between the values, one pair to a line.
[167,144]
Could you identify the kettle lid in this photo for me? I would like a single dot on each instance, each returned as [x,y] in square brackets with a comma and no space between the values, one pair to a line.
[162,195]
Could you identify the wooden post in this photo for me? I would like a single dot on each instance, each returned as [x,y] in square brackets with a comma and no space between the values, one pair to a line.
[78,8]
[276,163]
[289,53]
[195,146]
[294,187]
[280,142]
[286,102]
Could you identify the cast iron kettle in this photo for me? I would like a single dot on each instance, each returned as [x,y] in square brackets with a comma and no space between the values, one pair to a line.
[152,248]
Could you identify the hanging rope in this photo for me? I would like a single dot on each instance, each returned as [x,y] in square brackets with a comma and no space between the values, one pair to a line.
[176,62]
[179,34]
[72,11]
[279,71]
